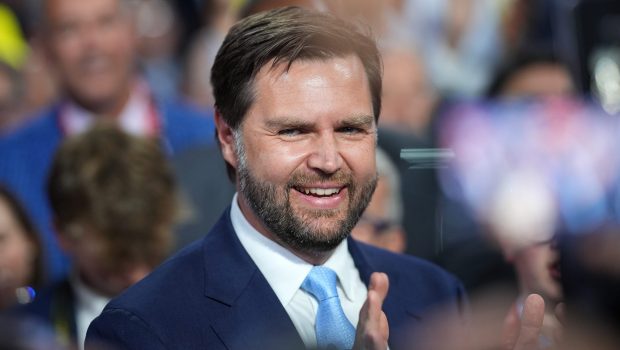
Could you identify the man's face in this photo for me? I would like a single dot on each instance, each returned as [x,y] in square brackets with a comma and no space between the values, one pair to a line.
[17,254]
[375,227]
[91,259]
[92,45]
[305,152]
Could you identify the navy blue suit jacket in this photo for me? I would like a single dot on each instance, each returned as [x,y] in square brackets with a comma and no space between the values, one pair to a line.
[211,295]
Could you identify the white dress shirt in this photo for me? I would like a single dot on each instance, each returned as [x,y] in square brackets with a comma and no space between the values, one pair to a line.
[88,305]
[285,272]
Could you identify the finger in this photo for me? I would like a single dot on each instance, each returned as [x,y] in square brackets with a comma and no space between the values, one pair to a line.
[372,329]
[377,326]
[531,323]
[378,288]
[510,331]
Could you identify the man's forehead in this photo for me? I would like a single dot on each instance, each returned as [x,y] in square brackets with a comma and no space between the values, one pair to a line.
[276,69]
[78,9]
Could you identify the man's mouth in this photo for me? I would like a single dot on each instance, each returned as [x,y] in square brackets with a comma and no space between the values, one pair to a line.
[319,192]
[554,270]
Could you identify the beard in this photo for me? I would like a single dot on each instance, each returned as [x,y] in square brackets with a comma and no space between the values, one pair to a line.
[311,231]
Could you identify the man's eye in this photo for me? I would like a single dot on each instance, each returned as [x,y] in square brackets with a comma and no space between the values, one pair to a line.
[289,132]
[350,130]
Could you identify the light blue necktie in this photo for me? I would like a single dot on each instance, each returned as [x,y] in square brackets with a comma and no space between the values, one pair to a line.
[333,329]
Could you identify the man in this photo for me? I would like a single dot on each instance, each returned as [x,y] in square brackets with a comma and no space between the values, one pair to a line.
[92,47]
[381,223]
[297,98]
[114,198]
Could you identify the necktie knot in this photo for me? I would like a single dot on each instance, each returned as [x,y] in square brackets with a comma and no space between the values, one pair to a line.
[321,283]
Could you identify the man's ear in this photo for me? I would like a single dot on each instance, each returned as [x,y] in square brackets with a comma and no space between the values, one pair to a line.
[226,138]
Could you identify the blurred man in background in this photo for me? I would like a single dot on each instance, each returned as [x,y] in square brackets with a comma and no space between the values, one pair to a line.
[92,47]
[381,222]
[114,201]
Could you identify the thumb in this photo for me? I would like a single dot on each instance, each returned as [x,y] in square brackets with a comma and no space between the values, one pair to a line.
[379,283]
[531,323]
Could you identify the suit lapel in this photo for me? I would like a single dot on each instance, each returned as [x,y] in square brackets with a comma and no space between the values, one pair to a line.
[246,314]
[396,308]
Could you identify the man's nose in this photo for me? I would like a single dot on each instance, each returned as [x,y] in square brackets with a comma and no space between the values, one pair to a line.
[325,155]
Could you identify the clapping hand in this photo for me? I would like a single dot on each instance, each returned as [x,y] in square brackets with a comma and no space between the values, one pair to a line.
[372,328]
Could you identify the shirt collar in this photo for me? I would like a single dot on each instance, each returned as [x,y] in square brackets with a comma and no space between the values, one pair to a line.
[87,299]
[283,270]
[138,117]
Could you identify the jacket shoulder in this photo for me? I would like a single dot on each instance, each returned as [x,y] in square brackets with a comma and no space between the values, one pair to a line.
[141,317]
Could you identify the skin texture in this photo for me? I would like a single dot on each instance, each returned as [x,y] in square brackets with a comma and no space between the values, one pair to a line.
[373,329]
[88,251]
[92,46]
[310,127]
[535,269]
[408,99]
[16,256]
[393,237]
[540,80]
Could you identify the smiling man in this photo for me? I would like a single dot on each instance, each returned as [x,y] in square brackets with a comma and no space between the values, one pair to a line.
[298,94]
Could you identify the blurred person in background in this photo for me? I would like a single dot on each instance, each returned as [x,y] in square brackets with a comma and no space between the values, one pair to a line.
[409,99]
[11,98]
[381,222]
[21,263]
[532,73]
[18,334]
[158,30]
[92,48]
[219,16]
[459,40]
[114,202]
[409,104]
[471,251]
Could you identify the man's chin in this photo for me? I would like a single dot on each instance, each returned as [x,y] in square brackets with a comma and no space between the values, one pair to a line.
[319,238]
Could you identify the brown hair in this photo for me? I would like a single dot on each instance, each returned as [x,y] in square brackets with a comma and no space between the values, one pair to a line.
[121,187]
[279,36]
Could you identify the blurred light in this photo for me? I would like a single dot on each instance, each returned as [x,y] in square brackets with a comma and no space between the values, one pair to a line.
[522,210]
[532,169]
[426,158]
[606,75]
[25,295]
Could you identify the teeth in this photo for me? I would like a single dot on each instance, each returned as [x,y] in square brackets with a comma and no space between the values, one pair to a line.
[321,191]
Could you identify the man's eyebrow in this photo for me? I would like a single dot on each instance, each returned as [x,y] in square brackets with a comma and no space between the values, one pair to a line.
[358,121]
[297,123]
[287,123]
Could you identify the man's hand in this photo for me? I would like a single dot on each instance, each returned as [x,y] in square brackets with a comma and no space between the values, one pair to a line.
[372,328]
[523,334]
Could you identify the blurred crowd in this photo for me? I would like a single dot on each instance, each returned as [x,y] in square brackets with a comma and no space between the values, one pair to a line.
[108,160]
